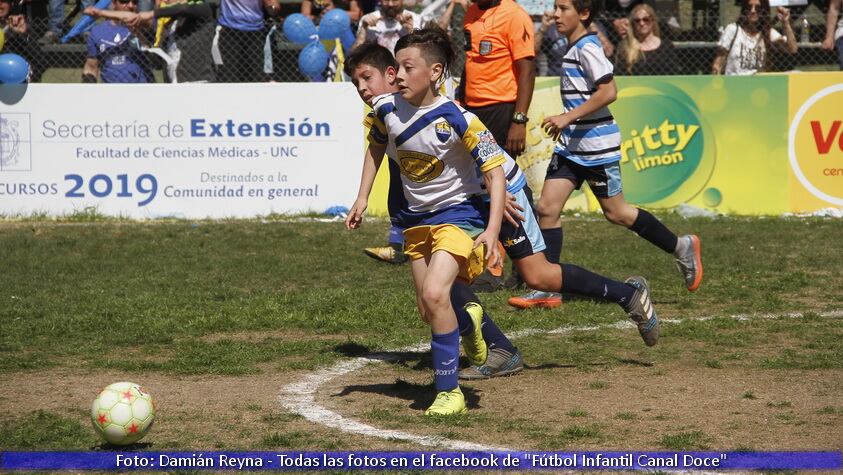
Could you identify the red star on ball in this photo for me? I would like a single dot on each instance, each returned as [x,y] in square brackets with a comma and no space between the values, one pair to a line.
[127,395]
[102,419]
[133,428]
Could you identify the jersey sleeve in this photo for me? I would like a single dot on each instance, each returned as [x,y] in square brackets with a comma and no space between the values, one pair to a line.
[597,66]
[375,121]
[520,37]
[482,146]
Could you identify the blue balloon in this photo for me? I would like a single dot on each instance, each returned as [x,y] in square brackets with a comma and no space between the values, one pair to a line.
[299,28]
[333,24]
[13,69]
[347,40]
[313,59]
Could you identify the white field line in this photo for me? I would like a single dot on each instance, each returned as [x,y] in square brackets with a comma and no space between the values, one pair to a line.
[299,398]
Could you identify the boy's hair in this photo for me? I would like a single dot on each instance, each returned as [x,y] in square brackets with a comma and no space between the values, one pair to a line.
[372,54]
[434,44]
[594,8]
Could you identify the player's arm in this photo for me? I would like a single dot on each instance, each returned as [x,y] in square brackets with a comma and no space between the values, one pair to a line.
[605,94]
[371,162]
[496,187]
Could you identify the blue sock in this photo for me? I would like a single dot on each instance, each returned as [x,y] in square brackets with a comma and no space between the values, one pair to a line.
[445,350]
[584,282]
[396,237]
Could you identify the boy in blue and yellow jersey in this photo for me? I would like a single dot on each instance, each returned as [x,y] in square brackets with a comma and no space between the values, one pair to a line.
[437,146]
[373,70]
[588,147]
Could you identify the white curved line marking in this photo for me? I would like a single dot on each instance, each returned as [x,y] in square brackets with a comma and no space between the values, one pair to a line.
[299,398]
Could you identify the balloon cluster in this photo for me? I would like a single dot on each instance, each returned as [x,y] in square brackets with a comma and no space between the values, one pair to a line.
[13,69]
[313,58]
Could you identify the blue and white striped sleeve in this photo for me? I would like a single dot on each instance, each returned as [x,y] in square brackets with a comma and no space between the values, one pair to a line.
[597,66]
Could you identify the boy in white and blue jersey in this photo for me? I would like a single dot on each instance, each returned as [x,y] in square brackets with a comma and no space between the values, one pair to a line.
[588,146]
[437,146]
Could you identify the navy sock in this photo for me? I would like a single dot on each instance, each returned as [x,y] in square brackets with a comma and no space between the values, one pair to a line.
[650,228]
[553,240]
[445,350]
[461,295]
[584,282]
[494,337]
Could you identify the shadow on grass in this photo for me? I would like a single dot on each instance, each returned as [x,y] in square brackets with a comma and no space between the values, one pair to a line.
[419,395]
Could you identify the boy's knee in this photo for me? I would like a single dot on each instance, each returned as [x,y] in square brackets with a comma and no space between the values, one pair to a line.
[619,216]
[544,210]
[435,296]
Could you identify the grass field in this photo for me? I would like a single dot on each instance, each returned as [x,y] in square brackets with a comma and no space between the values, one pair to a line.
[216,318]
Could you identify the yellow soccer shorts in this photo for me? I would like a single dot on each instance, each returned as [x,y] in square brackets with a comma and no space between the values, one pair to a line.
[421,242]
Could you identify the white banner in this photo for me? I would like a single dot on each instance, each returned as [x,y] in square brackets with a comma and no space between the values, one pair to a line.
[186,150]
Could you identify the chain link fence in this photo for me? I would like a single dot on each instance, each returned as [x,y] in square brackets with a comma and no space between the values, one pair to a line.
[692,26]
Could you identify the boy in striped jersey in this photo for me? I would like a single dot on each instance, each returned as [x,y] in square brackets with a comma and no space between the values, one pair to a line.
[588,146]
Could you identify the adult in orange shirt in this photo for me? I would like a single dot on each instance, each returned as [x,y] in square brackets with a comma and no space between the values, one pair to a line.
[500,71]
[497,83]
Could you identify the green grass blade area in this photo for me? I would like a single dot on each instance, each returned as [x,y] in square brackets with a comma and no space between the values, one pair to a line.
[238,302]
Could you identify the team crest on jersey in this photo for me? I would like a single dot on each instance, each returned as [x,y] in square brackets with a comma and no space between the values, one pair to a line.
[419,167]
[443,131]
[485,47]
[486,146]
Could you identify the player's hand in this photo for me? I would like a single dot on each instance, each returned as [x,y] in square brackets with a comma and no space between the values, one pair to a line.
[515,139]
[554,124]
[512,210]
[90,11]
[783,14]
[828,44]
[355,214]
[490,240]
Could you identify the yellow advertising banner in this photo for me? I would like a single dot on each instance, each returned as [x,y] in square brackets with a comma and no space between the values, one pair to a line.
[767,144]
[815,135]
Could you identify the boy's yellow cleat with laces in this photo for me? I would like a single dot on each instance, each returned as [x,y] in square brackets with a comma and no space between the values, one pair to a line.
[447,403]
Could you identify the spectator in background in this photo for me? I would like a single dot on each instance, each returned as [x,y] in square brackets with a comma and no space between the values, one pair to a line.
[242,35]
[18,37]
[189,41]
[553,45]
[316,8]
[497,85]
[834,29]
[387,24]
[745,46]
[644,52]
[114,53]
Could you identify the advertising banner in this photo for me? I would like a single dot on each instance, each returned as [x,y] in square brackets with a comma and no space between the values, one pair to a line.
[816,141]
[712,142]
[187,150]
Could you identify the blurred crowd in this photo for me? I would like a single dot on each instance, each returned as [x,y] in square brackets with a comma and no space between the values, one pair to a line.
[242,41]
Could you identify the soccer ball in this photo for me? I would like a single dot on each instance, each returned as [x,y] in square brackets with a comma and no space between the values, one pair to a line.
[122,413]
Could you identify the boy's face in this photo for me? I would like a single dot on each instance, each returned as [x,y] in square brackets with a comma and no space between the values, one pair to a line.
[371,83]
[568,19]
[414,74]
